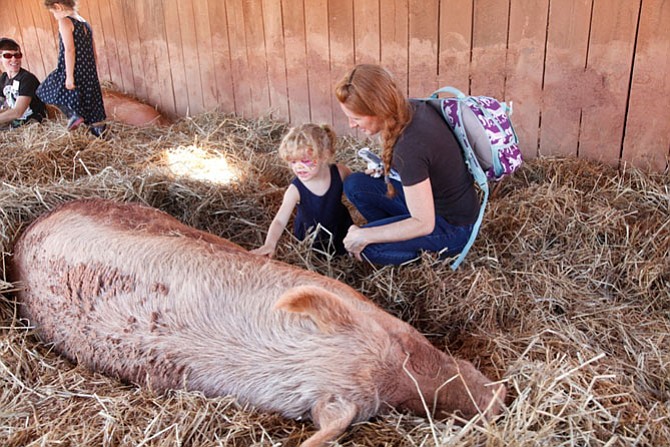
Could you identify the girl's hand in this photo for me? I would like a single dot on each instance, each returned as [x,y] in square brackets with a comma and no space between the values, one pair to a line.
[69,84]
[355,241]
[264,250]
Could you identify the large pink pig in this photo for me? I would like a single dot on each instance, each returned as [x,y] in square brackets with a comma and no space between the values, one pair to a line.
[126,109]
[131,292]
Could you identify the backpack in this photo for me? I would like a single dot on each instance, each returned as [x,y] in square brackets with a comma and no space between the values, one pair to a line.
[490,146]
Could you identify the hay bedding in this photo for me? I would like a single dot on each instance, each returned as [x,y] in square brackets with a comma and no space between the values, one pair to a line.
[565,296]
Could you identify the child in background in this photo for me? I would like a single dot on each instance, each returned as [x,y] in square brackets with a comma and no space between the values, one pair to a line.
[316,191]
[74,86]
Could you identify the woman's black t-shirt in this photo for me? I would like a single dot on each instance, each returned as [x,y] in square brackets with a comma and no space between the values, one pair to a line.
[427,148]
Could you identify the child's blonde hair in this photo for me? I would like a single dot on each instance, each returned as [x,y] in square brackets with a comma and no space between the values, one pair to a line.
[67,3]
[308,140]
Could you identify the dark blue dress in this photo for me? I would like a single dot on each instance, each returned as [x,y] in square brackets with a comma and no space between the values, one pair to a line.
[86,99]
[327,210]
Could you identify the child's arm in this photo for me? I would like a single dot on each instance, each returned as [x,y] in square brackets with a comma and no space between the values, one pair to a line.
[66,30]
[291,199]
[343,170]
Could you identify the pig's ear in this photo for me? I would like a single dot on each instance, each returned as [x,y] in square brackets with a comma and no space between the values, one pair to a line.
[325,308]
[421,354]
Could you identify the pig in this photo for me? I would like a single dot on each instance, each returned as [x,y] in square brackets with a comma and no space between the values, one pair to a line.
[125,109]
[131,292]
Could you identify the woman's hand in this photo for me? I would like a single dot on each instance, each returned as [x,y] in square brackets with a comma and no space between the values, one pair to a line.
[421,221]
[355,241]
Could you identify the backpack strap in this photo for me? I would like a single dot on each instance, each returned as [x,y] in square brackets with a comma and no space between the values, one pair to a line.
[475,230]
[480,178]
[473,166]
[451,90]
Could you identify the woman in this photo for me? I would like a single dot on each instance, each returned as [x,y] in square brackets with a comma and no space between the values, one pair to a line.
[17,88]
[434,206]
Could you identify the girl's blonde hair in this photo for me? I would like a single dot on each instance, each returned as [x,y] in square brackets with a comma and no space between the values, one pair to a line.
[369,90]
[308,140]
[67,3]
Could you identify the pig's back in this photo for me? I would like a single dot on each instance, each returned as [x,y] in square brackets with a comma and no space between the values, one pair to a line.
[150,300]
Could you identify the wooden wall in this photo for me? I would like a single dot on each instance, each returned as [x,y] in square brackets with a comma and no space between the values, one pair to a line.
[587,77]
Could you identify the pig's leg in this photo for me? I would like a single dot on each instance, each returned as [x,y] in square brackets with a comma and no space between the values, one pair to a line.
[332,415]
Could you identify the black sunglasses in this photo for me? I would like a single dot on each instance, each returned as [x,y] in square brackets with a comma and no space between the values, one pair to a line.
[12,55]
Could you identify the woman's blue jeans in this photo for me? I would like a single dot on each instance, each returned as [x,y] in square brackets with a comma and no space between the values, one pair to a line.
[368,195]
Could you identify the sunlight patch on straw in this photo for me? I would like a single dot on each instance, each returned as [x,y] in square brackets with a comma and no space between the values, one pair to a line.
[197,164]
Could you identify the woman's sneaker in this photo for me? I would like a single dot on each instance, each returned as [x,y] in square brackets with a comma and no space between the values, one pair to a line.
[74,122]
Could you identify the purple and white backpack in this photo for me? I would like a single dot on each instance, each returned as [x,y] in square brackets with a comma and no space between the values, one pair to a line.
[490,146]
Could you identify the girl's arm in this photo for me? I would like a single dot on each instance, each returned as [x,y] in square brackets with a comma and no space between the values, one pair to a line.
[421,222]
[343,170]
[291,199]
[66,30]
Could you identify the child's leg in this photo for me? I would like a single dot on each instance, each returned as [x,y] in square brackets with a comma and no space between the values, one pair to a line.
[74,120]
[368,195]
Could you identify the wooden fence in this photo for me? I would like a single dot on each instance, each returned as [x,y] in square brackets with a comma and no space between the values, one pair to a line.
[588,78]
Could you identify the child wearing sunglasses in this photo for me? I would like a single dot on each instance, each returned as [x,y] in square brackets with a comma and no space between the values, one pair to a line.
[74,86]
[20,104]
[316,191]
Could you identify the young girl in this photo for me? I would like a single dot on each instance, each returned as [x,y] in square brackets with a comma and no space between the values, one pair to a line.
[74,86]
[316,191]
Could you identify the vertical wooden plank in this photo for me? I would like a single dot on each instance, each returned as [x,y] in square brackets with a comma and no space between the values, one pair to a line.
[155,57]
[9,22]
[256,57]
[489,49]
[129,11]
[218,23]
[367,34]
[525,62]
[608,72]
[296,60]
[118,27]
[189,56]
[394,29]
[455,42]
[205,55]
[47,36]
[33,50]
[29,39]
[274,50]
[10,19]
[174,58]
[89,10]
[6,20]
[318,63]
[565,90]
[105,28]
[242,77]
[342,57]
[648,127]
[423,38]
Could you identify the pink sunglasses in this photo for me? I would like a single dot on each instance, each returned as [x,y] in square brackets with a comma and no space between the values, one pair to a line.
[12,55]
